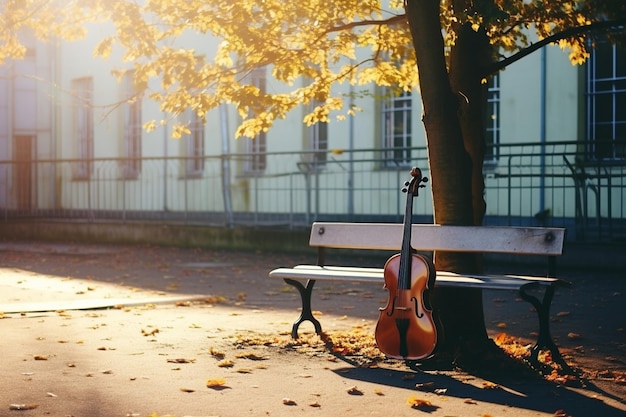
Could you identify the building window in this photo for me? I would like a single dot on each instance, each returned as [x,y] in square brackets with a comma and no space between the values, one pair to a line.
[256,148]
[318,142]
[396,112]
[83,126]
[132,129]
[194,144]
[606,102]
[492,119]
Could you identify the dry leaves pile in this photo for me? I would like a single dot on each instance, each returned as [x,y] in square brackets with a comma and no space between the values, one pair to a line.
[517,349]
[358,344]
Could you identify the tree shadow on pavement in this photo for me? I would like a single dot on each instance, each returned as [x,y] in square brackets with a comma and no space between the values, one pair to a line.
[528,393]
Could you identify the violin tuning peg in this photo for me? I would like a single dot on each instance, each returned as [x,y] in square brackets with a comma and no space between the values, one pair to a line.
[406,184]
[404,190]
[425,179]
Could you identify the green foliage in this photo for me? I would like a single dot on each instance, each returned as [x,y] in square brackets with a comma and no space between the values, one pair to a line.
[308,46]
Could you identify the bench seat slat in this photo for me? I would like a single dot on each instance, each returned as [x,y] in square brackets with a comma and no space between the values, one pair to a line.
[428,237]
[444,279]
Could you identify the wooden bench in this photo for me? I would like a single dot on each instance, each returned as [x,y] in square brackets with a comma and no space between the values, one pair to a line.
[542,241]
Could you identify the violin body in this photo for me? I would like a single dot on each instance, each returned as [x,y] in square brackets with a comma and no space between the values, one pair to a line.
[406,328]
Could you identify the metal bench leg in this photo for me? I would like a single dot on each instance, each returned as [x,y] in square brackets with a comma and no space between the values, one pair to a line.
[544,340]
[307,313]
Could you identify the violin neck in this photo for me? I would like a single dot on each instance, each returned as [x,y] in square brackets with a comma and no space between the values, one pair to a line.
[404,278]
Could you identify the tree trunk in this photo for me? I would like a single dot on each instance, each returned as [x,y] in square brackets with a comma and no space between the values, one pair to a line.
[457,198]
[468,57]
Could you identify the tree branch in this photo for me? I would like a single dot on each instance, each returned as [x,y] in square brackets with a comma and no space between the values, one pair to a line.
[352,25]
[568,33]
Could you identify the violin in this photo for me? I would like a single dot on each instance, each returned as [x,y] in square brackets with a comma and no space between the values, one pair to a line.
[406,328]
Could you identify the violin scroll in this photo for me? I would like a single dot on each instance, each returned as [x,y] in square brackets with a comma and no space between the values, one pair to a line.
[416,182]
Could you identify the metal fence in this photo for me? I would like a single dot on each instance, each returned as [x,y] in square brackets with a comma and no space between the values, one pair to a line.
[551,184]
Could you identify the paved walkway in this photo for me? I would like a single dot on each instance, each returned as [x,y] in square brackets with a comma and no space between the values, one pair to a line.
[182,319]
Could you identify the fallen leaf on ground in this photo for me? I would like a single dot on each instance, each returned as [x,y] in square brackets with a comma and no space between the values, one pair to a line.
[415,402]
[216,382]
[560,379]
[20,407]
[315,404]
[40,357]
[490,385]
[354,391]
[226,363]
[187,390]
[181,360]
[216,353]
[573,335]
[250,355]
[149,333]
[470,401]
[287,401]
[217,299]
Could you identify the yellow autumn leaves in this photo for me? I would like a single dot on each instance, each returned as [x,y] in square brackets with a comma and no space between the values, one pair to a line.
[308,47]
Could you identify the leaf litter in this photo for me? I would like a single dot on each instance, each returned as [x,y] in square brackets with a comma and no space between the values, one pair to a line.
[358,344]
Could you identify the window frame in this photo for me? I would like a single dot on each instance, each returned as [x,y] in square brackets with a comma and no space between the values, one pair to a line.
[83,126]
[194,145]
[605,102]
[394,105]
[492,120]
[131,167]
[255,162]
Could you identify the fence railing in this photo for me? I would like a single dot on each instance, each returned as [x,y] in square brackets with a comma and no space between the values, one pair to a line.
[528,184]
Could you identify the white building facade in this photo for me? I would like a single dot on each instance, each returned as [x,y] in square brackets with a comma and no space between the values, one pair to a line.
[72,144]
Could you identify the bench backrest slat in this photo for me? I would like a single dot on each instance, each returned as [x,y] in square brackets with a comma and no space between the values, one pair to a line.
[426,237]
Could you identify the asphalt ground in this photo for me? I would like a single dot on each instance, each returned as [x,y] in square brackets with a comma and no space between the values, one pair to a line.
[104,330]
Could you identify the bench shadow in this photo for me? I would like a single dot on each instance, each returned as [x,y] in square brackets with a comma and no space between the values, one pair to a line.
[527,392]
